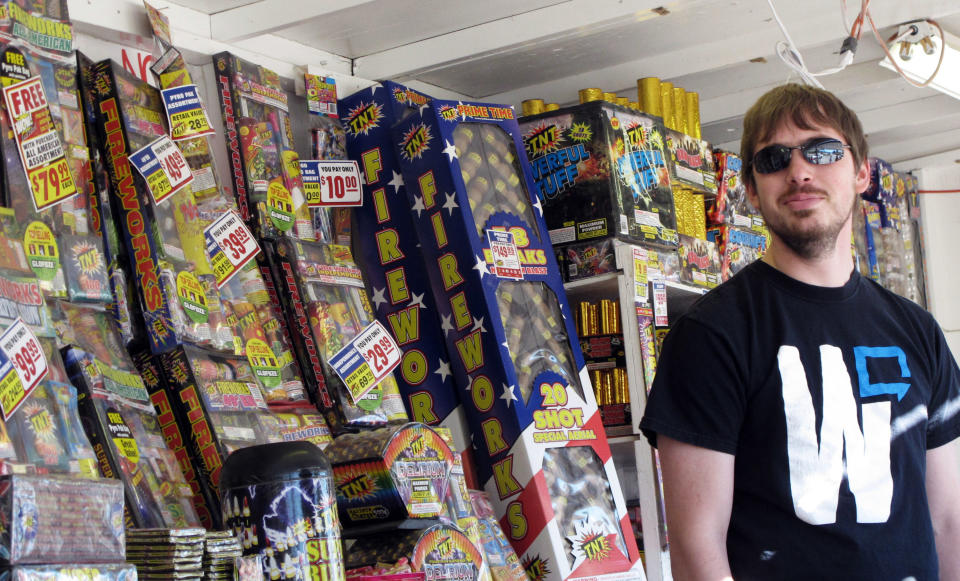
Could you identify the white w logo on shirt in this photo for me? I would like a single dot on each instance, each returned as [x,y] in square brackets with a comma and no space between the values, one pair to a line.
[816,470]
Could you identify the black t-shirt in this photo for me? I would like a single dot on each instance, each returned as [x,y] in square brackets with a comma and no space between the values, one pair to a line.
[829,399]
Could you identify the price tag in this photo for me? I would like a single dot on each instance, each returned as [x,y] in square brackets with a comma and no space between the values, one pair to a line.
[331,183]
[22,366]
[185,112]
[640,286]
[230,245]
[163,166]
[367,360]
[506,259]
[660,304]
[41,152]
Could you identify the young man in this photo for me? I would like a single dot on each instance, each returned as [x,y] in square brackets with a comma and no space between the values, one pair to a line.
[804,415]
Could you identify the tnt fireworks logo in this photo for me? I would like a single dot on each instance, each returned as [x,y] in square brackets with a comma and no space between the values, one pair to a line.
[590,542]
[399,95]
[448,113]
[86,258]
[364,117]
[541,140]
[536,568]
[355,484]
[644,137]
[415,142]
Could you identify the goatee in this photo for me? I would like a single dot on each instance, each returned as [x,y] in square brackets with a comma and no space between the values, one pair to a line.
[809,243]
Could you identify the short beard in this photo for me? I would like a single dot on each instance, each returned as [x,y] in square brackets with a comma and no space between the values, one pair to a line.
[812,243]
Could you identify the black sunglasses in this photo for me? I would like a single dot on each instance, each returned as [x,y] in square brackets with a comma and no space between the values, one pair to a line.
[820,151]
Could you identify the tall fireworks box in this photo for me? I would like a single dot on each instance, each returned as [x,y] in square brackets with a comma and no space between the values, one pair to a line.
[542,454]
[219,408]
[386,249]
[600,171]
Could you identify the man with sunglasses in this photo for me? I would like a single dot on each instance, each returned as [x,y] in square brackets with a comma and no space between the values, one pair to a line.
[804,415]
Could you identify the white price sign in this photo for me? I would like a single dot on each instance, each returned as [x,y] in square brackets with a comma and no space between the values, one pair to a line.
[332,183]
[163,166]
[367,360]
[660,318]
[22,366]
[230,246]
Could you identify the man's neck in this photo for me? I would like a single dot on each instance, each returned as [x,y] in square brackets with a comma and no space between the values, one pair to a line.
[831,269]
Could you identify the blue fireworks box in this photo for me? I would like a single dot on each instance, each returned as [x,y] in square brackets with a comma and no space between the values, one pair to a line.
[526,392]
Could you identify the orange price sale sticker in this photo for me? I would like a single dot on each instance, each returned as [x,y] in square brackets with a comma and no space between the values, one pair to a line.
[38,142]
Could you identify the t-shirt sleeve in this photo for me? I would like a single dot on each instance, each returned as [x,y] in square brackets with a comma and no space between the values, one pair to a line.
[698,394]
[944,409]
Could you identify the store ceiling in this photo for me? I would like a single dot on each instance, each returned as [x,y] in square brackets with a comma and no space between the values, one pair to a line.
[510,50]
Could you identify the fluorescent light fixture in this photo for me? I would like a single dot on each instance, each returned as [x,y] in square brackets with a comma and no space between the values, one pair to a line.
[921,65]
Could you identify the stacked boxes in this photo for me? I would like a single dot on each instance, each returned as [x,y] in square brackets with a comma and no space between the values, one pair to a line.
[388,255]
[601,171]
[527,392]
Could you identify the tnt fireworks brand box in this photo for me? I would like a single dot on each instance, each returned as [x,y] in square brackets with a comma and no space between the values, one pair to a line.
[699,262]
[386,250]
[737,247]
[600,171]
[390,474]
[509,329]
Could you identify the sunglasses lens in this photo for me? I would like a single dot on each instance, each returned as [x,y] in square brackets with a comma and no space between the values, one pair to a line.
[823,152]
[772,158]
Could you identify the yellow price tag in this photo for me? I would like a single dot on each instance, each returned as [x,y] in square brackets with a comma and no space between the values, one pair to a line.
[51,183]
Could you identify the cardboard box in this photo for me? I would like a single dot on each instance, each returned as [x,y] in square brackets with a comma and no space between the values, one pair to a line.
[699,262]
[221,408]
[737,247]
[691,163]
[528,397]
[327,306]
[390,475]
[386,250]
[600,171]
[731,206]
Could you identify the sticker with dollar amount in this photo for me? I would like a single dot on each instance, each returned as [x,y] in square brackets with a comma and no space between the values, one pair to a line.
[331,183]
[230,246]
[367,360]
[22,366]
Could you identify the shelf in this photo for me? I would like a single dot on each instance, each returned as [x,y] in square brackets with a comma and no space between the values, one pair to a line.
[384,527]
[602,284]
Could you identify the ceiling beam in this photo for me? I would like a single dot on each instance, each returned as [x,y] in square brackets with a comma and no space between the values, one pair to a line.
[268,16]
[949,157]
[568,19]
[918,147]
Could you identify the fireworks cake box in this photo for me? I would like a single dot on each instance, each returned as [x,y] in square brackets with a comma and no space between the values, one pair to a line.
[600,171]
[386,250]
[691,163]
[121,423]
[390,474]
[441,552]
[738,247]
[731,206]
[527,392]
[699,262]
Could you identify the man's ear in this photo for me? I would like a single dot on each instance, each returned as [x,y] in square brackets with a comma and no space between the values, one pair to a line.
[863,177]
[752,196]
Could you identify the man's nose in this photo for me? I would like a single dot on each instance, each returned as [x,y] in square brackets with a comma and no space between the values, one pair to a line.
[800,170]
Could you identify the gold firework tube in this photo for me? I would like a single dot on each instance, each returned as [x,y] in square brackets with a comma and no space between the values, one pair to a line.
[620,379]
[666,104]
[587,95]
[634,105]
[594,325]
[610,97]
[615,318]
[583,319]
[623,101]
[605,308]
[693,115]
[680,109]
[608,386]
[551,106]
[648,92]
[532,106]
[597,386]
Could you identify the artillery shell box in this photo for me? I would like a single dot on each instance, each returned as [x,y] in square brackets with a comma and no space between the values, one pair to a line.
[510,332]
